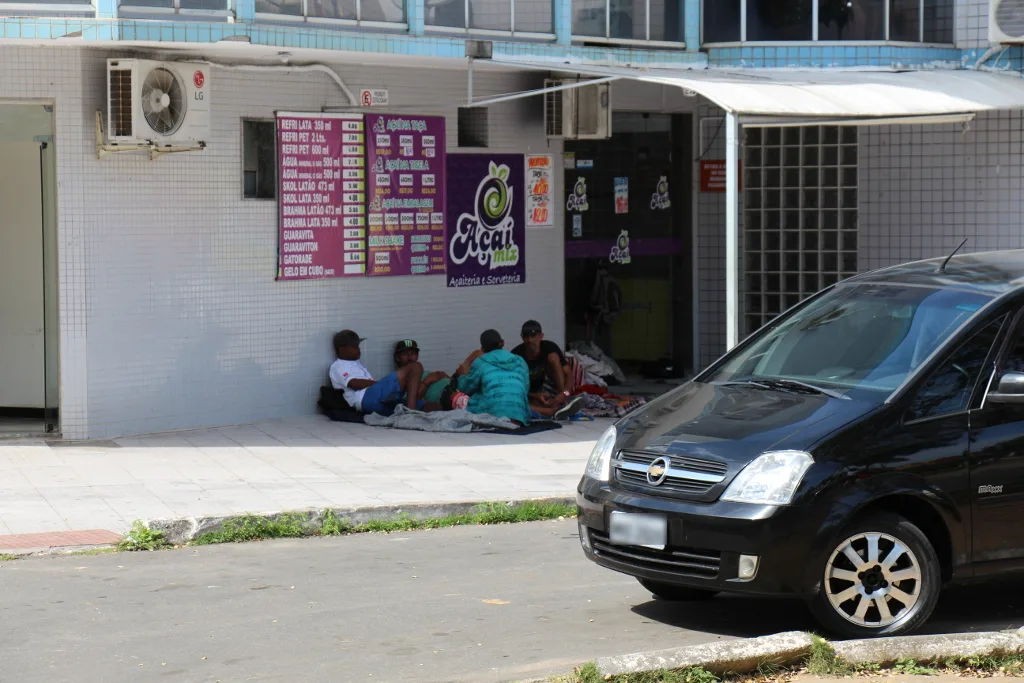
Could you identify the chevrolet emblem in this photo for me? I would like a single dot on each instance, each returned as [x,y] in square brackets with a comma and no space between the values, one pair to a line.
[658,471]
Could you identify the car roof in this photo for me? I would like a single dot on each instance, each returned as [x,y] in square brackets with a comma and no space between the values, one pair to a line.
[993,273]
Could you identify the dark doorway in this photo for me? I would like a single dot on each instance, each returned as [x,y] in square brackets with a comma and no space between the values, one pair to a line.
[647,162]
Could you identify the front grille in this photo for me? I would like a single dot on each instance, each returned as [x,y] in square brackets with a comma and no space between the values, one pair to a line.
[676,484]
[703,564]
[683,462]
[688,475]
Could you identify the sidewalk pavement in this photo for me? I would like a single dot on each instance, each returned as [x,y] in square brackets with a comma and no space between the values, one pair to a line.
[290,464]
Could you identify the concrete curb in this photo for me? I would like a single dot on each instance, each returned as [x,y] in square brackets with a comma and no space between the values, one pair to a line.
[738,656]
[181,530]
[888,651]
[786,649]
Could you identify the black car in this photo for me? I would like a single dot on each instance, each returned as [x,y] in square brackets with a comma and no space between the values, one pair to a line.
[861,451]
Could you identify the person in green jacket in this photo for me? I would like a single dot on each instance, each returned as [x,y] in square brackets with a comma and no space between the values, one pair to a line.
[497,381]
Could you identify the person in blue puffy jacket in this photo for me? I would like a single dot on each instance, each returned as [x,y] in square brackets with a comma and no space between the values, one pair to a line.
[497,381]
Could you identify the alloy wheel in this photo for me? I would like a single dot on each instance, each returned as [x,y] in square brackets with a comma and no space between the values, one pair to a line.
[873,580]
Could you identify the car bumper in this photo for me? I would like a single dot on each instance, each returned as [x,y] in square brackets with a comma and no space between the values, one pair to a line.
[706,542]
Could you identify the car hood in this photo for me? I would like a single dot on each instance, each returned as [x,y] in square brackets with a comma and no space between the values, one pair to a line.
[735,423]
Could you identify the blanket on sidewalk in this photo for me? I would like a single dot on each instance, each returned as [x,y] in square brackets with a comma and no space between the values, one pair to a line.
[453,421]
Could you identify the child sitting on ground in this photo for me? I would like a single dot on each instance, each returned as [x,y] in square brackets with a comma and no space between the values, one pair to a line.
[362,392]
[432,384]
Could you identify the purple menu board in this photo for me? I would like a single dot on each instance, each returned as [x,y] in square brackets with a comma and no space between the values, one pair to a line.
[405,157]
[321,195]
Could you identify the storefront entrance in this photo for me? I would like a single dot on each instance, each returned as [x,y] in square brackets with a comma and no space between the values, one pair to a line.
[628,217]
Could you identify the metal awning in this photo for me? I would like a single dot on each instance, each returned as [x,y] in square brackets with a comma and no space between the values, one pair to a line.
[826,94]
[774,97]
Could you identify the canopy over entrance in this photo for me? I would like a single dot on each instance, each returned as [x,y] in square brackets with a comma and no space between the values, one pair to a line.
[787,97]
[828,94]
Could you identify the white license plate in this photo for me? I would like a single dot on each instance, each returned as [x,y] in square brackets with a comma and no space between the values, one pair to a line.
[637,528]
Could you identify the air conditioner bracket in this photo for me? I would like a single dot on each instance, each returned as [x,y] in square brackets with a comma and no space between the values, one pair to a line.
[155,151]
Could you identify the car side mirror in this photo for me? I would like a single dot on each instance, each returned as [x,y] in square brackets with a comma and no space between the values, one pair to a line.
[1010,390]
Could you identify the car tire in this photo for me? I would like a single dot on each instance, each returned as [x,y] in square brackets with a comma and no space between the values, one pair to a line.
[674,593]
[904,580]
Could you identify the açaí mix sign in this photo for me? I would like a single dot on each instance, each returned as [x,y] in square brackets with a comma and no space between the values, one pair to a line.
[486,229]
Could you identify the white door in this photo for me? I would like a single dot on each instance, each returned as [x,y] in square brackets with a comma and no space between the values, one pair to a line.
[22,359]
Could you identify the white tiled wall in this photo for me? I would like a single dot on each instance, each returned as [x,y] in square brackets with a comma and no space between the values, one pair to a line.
[926,188]
[972,23]
[170,315]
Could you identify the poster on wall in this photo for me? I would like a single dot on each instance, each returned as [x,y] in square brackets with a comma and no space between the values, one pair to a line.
[486,235]
[321,195]
[622,195]
[540,191]
[405,158]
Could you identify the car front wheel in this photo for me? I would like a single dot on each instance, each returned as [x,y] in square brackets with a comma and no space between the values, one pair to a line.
[673,593]
[881,579]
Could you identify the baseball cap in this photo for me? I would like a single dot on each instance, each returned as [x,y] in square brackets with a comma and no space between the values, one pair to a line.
[347,338]
[407,344]
[530,328]
[490,340]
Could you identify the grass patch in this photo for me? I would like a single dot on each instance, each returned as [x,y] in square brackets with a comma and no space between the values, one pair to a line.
[1008,664]
[588,673]
[488,513]
[823,660]
[141,537]
[295,525]
[910,667]
[4,557]
[255,528]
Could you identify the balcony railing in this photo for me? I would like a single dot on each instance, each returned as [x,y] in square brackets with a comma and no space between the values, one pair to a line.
[796,21]
[526,18]
[372,13]
[629,21]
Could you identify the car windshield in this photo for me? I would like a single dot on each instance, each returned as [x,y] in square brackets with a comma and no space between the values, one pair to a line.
[864,336]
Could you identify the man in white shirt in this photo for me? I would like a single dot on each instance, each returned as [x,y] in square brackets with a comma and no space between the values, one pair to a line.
[362,391]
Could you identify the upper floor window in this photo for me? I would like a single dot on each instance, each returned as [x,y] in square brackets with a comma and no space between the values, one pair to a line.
[362,11]
[505,16]
[776,21]
[624,21]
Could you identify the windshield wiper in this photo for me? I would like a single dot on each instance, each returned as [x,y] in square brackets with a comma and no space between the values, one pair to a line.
[781,384]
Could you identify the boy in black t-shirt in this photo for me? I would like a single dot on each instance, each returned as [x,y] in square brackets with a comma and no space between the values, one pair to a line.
[550,376]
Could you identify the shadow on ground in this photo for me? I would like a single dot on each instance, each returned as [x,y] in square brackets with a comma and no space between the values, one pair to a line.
[995,607]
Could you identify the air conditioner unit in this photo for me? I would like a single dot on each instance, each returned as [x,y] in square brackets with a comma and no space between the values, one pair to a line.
[1006,21]
[165,104]
[581,113]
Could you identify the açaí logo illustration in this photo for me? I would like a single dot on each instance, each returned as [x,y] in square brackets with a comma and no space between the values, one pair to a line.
[486,234]
[620,252]
[378,127]
[660,200]
[578,199]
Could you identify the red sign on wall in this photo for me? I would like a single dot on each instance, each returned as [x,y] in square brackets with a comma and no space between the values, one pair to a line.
[712,175]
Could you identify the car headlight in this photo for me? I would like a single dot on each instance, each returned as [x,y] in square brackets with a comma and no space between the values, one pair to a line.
[771,479]
[600,464]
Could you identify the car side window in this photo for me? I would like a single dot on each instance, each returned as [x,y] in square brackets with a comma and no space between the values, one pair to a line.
[949,387]
[1015,355]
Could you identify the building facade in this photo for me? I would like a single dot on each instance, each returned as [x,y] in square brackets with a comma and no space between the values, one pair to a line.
[139,294]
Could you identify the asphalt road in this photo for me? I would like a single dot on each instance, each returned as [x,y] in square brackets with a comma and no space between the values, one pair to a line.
[473,604]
